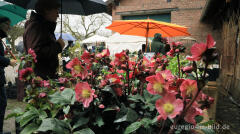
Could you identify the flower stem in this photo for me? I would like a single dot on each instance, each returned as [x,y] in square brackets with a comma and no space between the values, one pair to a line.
[179,67]
[162,126]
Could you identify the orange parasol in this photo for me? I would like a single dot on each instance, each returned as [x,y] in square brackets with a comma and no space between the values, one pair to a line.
[148,28]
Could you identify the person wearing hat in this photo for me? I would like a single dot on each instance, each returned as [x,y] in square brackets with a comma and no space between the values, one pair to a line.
[4,62]
[39,36]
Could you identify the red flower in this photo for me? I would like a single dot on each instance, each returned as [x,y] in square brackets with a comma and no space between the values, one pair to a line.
[62,88]
[25,74]
[33,54]
[171,53]
[169,106]
[145,62]
[120,58]
[187,69]
[114,78]
[167,75]
[77,69]
[86,56]
[46,84]
[42,95]
[104,53]
[118,91]
[197,50]
[157,84]
[63,80]
[101,106]
[192,112]
[188,88]
[84,93]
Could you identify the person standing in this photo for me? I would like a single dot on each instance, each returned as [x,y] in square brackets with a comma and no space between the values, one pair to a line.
[39,36]
[4,62]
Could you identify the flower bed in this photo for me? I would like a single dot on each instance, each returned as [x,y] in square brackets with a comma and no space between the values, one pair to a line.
[120,96]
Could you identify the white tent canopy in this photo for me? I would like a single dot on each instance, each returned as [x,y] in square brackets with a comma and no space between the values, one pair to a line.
[116,43]
[95,39]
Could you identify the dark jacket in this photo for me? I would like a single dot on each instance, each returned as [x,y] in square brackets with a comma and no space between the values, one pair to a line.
[39,35]
[4,62]
[157,46]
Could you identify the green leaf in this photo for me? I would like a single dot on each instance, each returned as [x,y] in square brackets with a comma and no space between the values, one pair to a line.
[198,119]
[66,109]
[64,97]
[80,122]
[29,129]
[16,112]
[55,125]
[146,122]
[84,131]
[133,127]
[42,115]
[28,116]
[112,108]
[130,116]
[99,121]
[109,89]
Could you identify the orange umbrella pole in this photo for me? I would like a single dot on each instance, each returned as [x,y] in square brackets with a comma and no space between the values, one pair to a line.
[14,57]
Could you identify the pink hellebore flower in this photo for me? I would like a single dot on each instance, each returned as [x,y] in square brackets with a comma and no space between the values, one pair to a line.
[84,93]
[62,88]
[77,69]
[86,56]
[169,106]
[192,112]
[31,52]
[25,73]
[46,84]
[156,84]
[101,106]
[42,95]
[167,75]
[120,58]
[104,53]
[188,88]
[197,50]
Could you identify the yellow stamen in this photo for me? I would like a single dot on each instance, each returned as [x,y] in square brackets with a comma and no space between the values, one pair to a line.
[77,68]
[168,108]
[158,87]
[85,93]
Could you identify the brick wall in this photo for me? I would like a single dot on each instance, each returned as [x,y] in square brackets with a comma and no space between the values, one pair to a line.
[187,13]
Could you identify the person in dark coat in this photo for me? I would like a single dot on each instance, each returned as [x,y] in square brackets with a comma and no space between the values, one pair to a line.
[157,45]
[4,62]
[39,36]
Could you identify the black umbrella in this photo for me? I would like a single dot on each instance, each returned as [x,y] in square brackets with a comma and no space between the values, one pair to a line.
[78,7]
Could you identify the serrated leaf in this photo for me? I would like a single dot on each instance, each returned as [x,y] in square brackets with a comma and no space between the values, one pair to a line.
[133,127]
[84,131]
[29,129]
